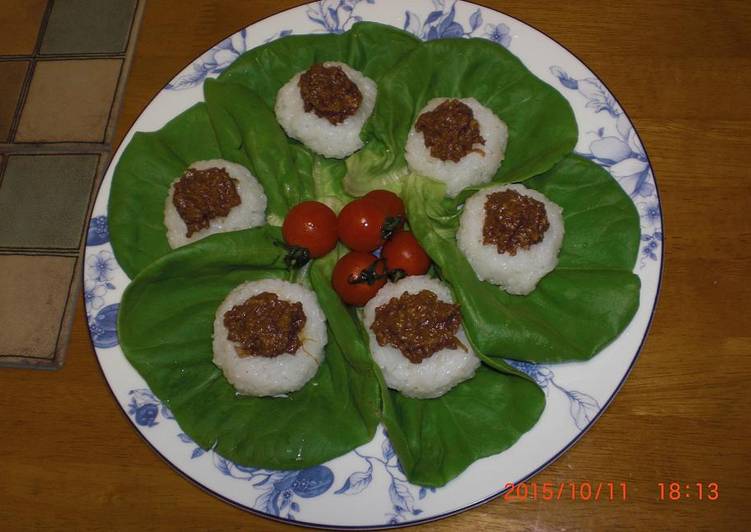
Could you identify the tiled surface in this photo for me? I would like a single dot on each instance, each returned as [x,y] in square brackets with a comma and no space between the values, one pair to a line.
[104,28]
[69,101]
[62,73]
[43,199]
[35,292]
[12,76]
[20,21]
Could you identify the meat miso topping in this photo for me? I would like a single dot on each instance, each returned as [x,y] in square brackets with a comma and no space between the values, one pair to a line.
[202,195]
[450,131]
[329,93]
[265,326]
[419,325]
[513,221]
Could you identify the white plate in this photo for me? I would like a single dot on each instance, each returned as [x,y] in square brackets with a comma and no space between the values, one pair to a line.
[365,487]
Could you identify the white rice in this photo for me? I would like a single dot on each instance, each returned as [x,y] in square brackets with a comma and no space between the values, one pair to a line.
[261,376]
[318,134]
[435,375]
[250,212]
[520,273]
[472,169]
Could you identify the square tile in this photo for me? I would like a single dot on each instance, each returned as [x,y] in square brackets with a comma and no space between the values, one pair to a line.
[35,290]
[88,26]
[43,200]
[69,101]
[20,21]
[12,75]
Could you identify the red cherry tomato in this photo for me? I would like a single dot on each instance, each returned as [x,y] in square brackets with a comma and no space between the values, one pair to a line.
[360,224]
[393,203]
[311,225]
[404,252]
[357,277]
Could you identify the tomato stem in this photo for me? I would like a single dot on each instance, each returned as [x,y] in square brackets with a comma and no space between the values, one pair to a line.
[369,275]
[390,226]
[396,274]
[296,257]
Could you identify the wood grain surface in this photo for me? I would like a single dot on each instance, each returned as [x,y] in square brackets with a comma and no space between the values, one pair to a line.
[71,460]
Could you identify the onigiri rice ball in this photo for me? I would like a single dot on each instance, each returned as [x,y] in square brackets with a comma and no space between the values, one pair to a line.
[433,376]
[262,376]
[474,168]
[250,213]
[317,133]
[516,274]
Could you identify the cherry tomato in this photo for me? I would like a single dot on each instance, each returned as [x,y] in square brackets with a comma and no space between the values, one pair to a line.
[311,225]
[357,277]
[393,203]
[404,252]
[360,224]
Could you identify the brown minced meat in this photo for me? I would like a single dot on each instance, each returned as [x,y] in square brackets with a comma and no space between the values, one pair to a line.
[419,325]
[329,93]
[265,326]
[513,221]
[202,195]
[450,131]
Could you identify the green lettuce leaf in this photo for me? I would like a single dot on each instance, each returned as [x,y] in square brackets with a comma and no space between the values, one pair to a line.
[165,328]
[373,49]
[248,134]
[234,125]
[141,181]
[542,127]
[166,315]
[436,439]
[430,436]
[575,310]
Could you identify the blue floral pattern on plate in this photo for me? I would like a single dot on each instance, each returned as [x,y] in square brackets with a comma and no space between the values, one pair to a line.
[372,470]
[622,154]
[280,491]
[583,408]
[211,63]
[441,23]
[335,16]
[98,232]
[101,268]
[278,495]
[402,499]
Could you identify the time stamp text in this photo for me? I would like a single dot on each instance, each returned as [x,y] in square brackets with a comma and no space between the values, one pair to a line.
[607,491]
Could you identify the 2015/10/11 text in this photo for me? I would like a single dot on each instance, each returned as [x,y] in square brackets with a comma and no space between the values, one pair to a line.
[573,491]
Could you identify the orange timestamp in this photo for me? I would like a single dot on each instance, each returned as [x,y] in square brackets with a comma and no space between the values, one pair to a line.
[566,490]
[680,491]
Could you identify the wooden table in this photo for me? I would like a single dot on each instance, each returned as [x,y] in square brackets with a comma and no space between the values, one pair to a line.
[682,71]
